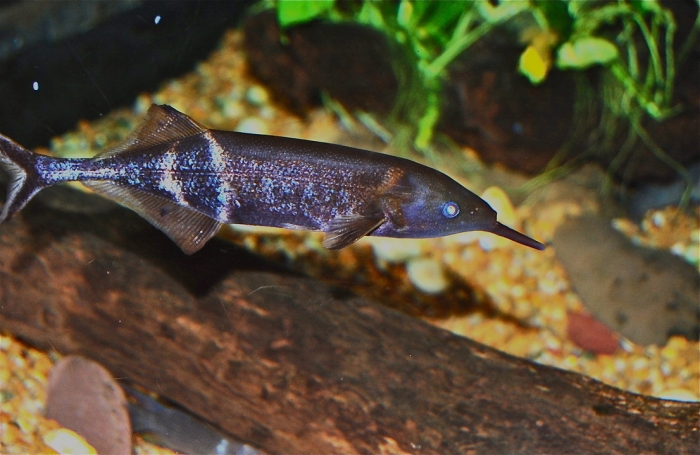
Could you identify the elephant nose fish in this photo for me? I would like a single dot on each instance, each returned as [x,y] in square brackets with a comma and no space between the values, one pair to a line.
[188,180]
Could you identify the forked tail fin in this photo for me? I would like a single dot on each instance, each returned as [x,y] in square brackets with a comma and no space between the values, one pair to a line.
[20,164]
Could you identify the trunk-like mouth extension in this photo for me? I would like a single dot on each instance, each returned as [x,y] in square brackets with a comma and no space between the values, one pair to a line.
[511,234]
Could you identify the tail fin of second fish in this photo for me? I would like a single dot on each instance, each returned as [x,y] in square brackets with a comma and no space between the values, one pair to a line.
[20,164]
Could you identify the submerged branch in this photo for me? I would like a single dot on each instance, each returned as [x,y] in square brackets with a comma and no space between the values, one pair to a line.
[292,366]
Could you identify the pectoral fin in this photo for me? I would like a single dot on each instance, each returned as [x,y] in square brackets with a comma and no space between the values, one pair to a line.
[348,229]
[391,206]
[188,228]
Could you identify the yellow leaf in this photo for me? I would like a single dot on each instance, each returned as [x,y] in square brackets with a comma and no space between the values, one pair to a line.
[533,65]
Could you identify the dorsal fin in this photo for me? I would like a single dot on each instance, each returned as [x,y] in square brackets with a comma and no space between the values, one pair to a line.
[162,124]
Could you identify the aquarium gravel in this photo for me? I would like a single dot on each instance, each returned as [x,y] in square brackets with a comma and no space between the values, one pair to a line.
[521,298]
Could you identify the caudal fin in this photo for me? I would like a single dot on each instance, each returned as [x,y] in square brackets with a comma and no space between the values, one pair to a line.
[19,163]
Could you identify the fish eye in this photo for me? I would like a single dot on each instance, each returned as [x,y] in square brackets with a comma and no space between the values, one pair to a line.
[450,210]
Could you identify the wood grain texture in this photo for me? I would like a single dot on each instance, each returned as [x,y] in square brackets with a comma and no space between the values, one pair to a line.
[293,366]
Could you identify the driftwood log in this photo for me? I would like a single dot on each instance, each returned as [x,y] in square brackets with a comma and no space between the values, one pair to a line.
[291,365]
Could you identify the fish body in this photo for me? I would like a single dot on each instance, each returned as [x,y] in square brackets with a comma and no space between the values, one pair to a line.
[188,180]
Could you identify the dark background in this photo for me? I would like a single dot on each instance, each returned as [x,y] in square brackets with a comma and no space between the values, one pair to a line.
[87,67]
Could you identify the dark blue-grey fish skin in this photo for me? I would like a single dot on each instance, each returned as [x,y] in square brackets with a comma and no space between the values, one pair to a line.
[187,180]
[178,430]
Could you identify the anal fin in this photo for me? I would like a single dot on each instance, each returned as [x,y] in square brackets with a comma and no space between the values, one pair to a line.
[345,230]
[188,228]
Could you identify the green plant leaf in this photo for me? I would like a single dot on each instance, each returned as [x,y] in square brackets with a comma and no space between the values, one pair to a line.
[371,14]
[421,9]
[299,11]
[644,6]
[556,12]
[503,10]
[445,14]
[405,13]
[438,23]
[585,52]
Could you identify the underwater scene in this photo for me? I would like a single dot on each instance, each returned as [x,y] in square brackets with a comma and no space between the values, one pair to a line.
[353,227]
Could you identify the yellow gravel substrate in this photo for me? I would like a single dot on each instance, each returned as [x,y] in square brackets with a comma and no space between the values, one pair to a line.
[23,377]
[24,430]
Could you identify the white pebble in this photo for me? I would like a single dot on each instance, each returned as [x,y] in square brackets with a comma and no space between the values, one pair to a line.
[267,112]
[679,395]
[427,275]
[394,250]
[678,249]
[692,254]
[252,125]
[63,440]
[695,236]
[658,219]
[233,110]
[487,243]
[257,95]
